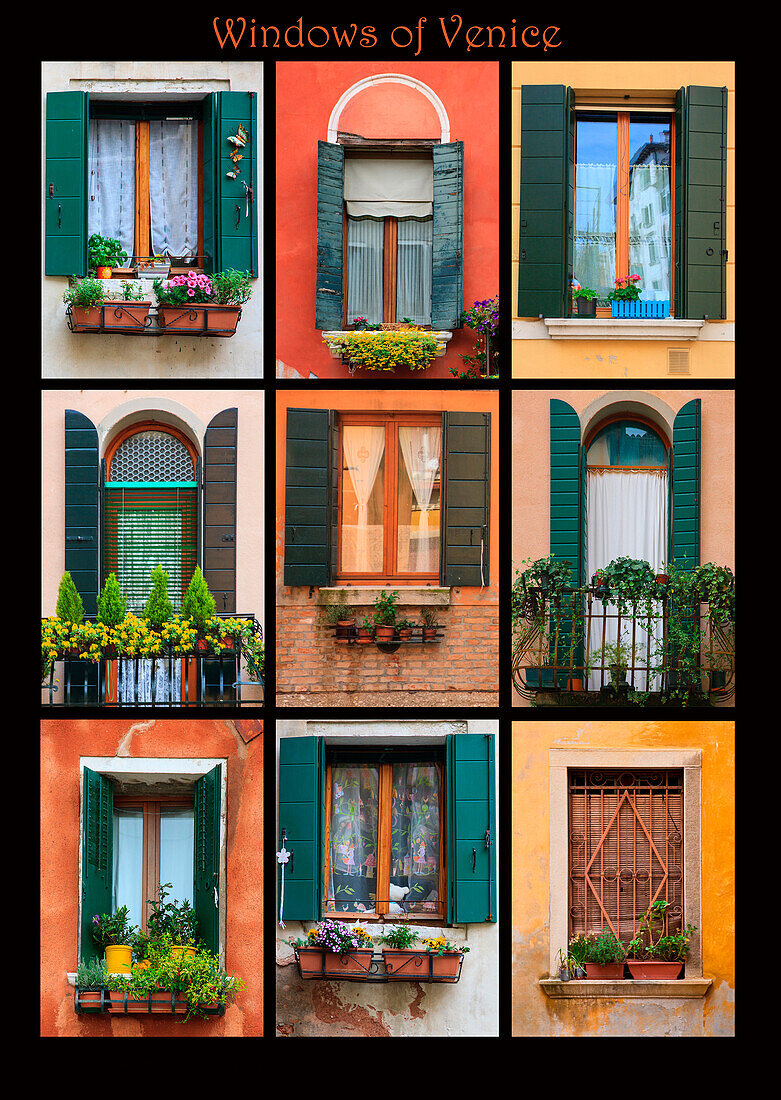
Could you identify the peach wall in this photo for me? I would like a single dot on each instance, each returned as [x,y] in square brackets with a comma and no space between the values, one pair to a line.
[307,92]
[190,409]
[63,743]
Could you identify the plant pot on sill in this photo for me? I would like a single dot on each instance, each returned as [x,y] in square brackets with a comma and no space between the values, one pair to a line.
[84,320]
[586,307]
[654,969]
[574,684]
[429,633]
[610,972]
[185,950]
[103,273]
[364,636]
[119,958]
[384,633]
[564,974]
[405,632]
[662,579]
[639,309]
[344,629]
[353,964]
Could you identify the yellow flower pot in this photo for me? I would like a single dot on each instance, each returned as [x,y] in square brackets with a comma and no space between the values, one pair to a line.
[119,957]
[183,949]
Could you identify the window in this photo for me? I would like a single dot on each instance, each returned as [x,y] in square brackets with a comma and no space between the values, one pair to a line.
[622,201]
[395,461]
[625,849]
[145,178]
[382,832]
[384,843]
[146,821]
[387,496]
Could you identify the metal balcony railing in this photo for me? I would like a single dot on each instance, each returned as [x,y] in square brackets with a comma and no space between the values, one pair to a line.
[199,679]
[574,645]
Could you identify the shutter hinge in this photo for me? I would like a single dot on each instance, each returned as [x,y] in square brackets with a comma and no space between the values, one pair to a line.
[488,837]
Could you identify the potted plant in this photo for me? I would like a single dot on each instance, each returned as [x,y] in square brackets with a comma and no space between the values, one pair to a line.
[155,265]
[158,608]
[181,302]
[585,300]
[114,933]
[90,980]
[365,631]
[563,966]
[70,611]
[625,300]
[604,956]
[385,616]
[599,584]
[85,298]
[446,958]
[230,290]
[615,656]
[189,986]
[654,955]
[346,948]
[103,254]
[129,310]
[338,614]
[577,952]
[198,605]
[385,350]
[430,623]
[715,584]
[169,918]
[404,628]
[400,958]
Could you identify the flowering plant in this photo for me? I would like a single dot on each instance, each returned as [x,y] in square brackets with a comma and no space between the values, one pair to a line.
[483,317]
[364,323]
[579,291]
[387,350]
[183,290]
[336,936]
[438,945]
[626,289]
[112,928]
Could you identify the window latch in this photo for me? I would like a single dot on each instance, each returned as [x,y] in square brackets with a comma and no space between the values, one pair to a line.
[474,859]
[59,215]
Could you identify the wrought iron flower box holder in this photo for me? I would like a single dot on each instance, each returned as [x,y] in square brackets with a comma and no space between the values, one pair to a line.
[349,636]
[186,322]
[124,323]
[170,1005]
[419,968]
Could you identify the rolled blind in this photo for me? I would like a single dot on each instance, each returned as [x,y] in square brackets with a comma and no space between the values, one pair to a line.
[150,525]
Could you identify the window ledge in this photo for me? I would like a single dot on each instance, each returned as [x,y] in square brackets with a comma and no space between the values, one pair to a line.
[622,328]
[620,990]
[359,595]
[331,339]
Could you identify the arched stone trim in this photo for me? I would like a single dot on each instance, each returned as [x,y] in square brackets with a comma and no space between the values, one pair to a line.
[631,403]
[165,413]
[389,78]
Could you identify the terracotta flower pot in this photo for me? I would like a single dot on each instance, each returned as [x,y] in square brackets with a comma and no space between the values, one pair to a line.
[310,962]
[344,628]
[429,632]
[126,315]
[445,968]
[103,273]
[222,318]
[574,685]
[228,643]
[405,964]
[406,632]
[354,964]
[83,319]
[384,633]
[90,1000]
[610,972]
[183,318]
[654,969]
[364,636]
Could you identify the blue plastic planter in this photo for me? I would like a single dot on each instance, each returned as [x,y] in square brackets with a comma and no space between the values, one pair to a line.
[640,309]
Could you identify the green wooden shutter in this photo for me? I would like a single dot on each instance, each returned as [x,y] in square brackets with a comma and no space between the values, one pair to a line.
[301,818]
[471,828]
[466,477]
[684,531]
[81,506]
[700,201]
[97,834]
[230,211]
[67,122]
[206,874]
[219,508]
[307,497]
[330,245]
[546,200]
[566,487]
[447,277]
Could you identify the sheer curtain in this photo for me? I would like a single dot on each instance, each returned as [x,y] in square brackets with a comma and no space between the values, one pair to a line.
[167,680]
[173,186]
[112,180]
[415,827]
[365,240]
[595,226]
[352,862]
[649,229]
[414,244]
[626,515]
[419,545]
[127,883]
[364,447]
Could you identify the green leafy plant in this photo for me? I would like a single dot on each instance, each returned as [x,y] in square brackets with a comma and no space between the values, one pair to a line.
[626,289]
[338,611]
[70,607]
[438,945]
[231,288]
[91,975]
[577,949]
[112,928]
[171,918]
[586,292]
[104,252]
[253,649]
[198,603]
[716,585]
[652,942]
[130,290]
[429,617]
[604,948]
[158,608]
[399,938]
[385,608]
[112,606]
[199,980]
[629,581]
[85,293]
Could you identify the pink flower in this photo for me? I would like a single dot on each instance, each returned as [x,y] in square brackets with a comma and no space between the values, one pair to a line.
[191,293]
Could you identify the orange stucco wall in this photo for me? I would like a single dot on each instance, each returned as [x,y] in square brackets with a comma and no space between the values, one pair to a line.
[306,94]
[533,1013]
[63,743]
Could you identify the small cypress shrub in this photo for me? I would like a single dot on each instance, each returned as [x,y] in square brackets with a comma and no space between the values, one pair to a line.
[112,606]
[198,603]
[158,609]
[69,604]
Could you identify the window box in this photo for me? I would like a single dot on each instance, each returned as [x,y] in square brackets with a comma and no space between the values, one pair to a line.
[110,316]
[610,972]
[422,966]
[654,969]
[384,350]
[206,319]
[158,1001]
[640,309]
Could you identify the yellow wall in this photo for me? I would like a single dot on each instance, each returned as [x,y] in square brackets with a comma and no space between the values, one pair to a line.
[710,357]
[533,1012]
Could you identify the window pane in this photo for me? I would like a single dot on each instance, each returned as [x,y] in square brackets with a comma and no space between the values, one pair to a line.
[352,863]
[419,497]
[112,180]
[176,850]
[363,498]
[649,205]
[415,838]
[595,203]
[627,443]
[173,187]
[365,245]
[413,270]
[128,862]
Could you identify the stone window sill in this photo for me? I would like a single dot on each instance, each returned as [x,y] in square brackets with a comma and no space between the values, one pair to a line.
[359,595]
[620,990]
[622,328]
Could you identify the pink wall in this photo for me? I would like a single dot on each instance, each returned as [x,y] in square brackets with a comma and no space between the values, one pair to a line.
[306,94]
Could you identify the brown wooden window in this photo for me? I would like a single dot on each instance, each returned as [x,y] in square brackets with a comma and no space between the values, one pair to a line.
[153,843]
[389,496]
[625,848]
[384,842]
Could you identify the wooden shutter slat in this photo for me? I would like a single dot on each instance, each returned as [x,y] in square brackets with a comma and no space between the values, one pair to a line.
[330,244]
[447,279]
[65,211]
[466,448]
[81,506]
[206,856]
[219,506]
[301,816]
[308,514]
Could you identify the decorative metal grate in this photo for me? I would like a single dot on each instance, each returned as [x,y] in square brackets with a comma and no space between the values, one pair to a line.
[152,456]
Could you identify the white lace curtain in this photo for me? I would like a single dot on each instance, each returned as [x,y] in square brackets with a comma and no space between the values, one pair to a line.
[626,516]
[414,253]
[353,837]
[418,542]
[173,186]
[364,446]
[112,180]
[415,833]
[365,237]
[136,687]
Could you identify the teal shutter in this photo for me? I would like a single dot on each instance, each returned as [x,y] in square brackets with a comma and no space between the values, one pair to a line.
[546,200]
[230,205]
[330,244]
[566,488]
[447,280]
[701,202]
[206,859]
[684,530]
[301,818]
[466,478]
[97,831]
[81,506]
[308,513]
[471,829]
[219,508]
[67,122]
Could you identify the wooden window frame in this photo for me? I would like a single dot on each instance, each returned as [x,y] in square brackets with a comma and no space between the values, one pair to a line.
[391,422]
[623,120]
[150,846]
[384,817]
